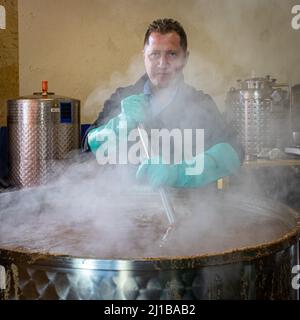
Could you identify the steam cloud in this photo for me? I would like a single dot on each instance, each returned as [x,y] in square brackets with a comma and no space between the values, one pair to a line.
[93,211]
[103,212]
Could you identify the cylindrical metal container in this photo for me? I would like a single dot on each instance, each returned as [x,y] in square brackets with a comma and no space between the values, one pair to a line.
[42,128]
[295,117]
[262,271]
[259,111]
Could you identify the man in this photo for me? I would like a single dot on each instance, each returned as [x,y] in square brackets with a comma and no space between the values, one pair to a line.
[162,100]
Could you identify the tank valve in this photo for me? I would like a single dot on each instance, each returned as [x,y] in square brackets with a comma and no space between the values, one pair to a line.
[44,87]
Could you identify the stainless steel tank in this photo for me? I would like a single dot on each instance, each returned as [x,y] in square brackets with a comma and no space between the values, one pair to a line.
[259,110]
[42,128]
[258,271]
[295,91]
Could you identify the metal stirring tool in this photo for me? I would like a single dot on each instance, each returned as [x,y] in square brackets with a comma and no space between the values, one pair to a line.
[163,195]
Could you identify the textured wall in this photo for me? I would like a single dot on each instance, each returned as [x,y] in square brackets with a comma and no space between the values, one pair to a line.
[85,48]
[9,64]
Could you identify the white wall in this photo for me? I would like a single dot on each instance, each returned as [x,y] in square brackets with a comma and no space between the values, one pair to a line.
[9,59]
[85,48]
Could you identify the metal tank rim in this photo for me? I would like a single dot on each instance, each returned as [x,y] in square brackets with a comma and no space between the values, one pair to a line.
[40,97]
[242,254]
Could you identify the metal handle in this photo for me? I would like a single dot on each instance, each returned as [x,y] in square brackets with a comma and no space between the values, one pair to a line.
[164,198]
[167,205]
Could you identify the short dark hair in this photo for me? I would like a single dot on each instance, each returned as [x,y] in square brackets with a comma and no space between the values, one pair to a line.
[164,26]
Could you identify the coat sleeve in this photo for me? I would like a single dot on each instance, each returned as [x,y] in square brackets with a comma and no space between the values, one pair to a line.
[112,107]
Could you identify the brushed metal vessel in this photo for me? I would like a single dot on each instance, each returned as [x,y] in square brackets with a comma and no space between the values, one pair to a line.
[262,271]
[295,116]
[259,110]
[42,129]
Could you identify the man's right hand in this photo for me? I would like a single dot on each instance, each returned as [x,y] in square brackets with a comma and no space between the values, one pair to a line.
[135,107]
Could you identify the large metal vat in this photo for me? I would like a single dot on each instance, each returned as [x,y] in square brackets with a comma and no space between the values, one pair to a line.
[259,110]
[261,271]
[42,129]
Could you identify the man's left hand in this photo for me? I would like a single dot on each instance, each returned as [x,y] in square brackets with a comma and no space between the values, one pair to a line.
[135,107]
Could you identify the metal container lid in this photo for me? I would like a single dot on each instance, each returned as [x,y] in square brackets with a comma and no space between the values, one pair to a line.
[42,95]
[256,83]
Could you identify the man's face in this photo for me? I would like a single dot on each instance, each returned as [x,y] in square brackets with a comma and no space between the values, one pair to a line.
[164,58]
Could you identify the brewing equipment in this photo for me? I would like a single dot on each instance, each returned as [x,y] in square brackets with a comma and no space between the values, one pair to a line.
[294,146]
[295,122]
[229,267]
[42,128]
[169,211]
[259,110]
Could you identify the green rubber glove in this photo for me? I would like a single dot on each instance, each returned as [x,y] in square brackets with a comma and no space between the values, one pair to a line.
[94,135]
[135,108]
[219,161]
[158,173]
